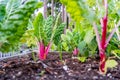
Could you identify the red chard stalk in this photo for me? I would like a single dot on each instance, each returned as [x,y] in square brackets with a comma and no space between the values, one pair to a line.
[103,42]
[42,54]
[104,31]
[47,49]
[75,51]
[43,51]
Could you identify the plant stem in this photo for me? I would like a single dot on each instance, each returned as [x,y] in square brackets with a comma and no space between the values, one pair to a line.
[97,35]
[104,31]
[102,61]
[42,54]
[104,21]
[104,25]
[101,51]
[111,34]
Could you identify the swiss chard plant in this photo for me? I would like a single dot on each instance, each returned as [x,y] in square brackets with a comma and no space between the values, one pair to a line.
[70,40]
[14,19]
[45,33]
[101,15]
[80,42]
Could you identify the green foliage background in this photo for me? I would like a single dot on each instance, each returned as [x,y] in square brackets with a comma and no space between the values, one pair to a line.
[84,13]
[14,20]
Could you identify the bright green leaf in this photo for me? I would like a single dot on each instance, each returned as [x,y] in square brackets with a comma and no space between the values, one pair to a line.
[111,64]
[82,59]
[89,36]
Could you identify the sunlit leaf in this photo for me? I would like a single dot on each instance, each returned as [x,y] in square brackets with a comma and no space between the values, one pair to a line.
[82,59]
[111,63]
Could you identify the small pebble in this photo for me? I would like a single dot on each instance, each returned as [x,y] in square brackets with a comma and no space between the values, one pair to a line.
[95,77]
[55,76]
[55,73]
[89,69]
[61,76]
[37,77]
[19,73]
[73,63]
[109,74]
[101,78]
[70,74]
[65,67]
[13,77]
[84,78]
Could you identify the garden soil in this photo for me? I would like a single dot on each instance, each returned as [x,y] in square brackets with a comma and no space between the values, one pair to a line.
[53,68]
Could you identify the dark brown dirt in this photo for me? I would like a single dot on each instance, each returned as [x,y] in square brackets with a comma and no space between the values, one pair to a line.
[24,68]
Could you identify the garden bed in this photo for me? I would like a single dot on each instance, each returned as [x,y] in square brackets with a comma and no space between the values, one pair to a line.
[24,68]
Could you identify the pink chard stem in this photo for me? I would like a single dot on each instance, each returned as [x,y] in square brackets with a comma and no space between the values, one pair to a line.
[47,49]
[75,51]
[97,35]
[103,40]
[42,54]
[101,43]
[43,51]
[112,33]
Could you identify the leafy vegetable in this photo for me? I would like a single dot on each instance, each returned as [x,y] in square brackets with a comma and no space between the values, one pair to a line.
[45,33]
[15,21]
